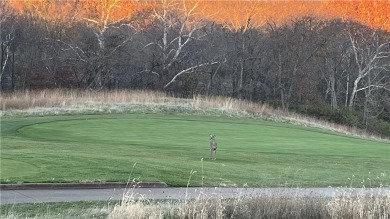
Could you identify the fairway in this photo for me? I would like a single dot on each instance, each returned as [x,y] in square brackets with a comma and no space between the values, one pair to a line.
[157,147]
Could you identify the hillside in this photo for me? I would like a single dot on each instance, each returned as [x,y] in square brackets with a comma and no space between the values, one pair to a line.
[326,59]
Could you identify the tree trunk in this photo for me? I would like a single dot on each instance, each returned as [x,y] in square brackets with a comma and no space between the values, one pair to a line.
[333,96]
[347,92]
[241,80]
[280,86]
[210,84]
[13,72]
[365,110]
[353,94]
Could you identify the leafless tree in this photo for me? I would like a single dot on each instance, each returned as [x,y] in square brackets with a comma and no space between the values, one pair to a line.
[96,59]
[179,28]
[372,58]
[334,62]
[244,56]
[294,46]
[7,36]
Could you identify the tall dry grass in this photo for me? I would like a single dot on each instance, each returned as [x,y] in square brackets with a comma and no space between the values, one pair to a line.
[349,204]
[67,98]
[360,206]
[49,102]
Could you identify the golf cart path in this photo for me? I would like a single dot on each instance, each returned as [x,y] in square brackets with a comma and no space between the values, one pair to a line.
[15,196]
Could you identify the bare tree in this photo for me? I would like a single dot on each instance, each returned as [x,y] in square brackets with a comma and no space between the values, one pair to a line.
[372,58]
[7,36]
[179,27]
[294,46]
[95,60]
[373,104]
[244,57]
[334,62]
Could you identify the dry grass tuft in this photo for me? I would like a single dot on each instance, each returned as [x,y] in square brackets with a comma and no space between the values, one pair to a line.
[348,204]
[202,207]
[52,102]
[360,205]
[133,209]
[279,207]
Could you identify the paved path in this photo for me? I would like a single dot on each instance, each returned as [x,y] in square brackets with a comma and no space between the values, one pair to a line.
[69,195]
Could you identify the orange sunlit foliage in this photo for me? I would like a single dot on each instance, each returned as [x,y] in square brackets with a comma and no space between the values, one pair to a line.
[237,14]
[233,14]
[373,13]
[76,10]
[42,8]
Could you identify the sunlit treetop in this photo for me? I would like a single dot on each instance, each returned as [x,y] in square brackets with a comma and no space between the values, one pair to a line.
[234,15]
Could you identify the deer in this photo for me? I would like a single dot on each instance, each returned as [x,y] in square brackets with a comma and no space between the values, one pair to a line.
[213,147]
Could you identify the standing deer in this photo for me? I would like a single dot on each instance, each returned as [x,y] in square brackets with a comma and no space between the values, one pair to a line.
[213,147]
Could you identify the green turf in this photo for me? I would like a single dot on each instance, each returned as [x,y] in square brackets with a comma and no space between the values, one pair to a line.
[167,147]
[63,210]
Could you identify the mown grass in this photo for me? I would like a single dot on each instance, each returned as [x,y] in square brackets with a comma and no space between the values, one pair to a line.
[252,152]
[63,210]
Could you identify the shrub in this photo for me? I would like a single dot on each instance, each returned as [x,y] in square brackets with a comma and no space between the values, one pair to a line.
[380,127]
[345,116]
[342,116]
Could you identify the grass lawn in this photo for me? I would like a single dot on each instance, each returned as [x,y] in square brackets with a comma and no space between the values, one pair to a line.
[64,210]
[167,148]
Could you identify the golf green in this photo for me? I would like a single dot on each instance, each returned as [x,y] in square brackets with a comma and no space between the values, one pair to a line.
[251,152]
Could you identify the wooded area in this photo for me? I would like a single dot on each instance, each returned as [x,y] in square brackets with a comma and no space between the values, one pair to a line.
[334,69]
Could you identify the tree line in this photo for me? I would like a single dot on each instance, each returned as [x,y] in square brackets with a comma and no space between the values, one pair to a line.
[332,69]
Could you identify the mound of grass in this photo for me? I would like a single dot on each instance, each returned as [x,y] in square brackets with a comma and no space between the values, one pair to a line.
[71,102]
[168,147]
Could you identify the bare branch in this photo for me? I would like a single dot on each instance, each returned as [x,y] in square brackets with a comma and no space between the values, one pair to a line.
[379,86]
[91,20]
[153,43]
[75,49]
[148,71]
[188,70]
